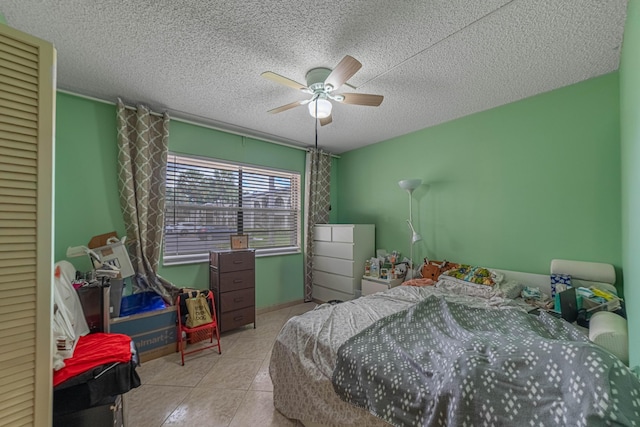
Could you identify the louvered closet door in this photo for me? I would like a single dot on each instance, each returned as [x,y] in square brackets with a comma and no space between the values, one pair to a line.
[27,74]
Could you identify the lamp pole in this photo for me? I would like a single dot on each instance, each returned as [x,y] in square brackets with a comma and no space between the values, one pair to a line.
[410,191]
[409,185]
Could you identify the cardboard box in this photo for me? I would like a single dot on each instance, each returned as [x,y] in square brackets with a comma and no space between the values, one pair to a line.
[112,252]
[153,332]
[116,255]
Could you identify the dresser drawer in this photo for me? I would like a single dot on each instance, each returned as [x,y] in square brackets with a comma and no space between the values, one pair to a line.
[237,299]
[333,249]
[235,260]
[334,265]
[371,286]
[342,233]
[325,294]
[334,281]
[237,280]
[235,319]
[322,232]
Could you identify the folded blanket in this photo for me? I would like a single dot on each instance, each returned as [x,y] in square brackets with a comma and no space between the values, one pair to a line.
[419,282]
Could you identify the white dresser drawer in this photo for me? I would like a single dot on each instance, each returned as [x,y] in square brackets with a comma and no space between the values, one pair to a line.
[371,287]
[333,249]
[333,281]
[334,265]
[322,232]
[325,294]
[342,233]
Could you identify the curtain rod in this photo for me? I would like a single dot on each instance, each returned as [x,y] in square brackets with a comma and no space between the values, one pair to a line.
[191,122]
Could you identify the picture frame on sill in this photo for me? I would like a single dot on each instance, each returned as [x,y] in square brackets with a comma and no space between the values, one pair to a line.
[239,241]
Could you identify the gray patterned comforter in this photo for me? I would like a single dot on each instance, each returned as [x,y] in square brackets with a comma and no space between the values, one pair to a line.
[305,352]
[442,362]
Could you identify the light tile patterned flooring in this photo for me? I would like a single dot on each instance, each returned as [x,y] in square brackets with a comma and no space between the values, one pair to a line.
[233,389]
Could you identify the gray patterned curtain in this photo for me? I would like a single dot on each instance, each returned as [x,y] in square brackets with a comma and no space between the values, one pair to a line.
[142,161]
[316,207]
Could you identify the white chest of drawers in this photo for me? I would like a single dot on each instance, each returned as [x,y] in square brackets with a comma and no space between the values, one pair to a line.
[340,251]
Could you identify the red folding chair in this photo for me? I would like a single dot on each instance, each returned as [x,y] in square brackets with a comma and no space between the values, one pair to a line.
[190,333]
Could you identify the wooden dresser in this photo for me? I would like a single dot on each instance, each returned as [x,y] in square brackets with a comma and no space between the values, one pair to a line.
[232,280]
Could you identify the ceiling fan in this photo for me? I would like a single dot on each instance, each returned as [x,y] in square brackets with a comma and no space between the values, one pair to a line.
[321,84]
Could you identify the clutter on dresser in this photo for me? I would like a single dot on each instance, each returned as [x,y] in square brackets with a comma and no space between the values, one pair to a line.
[386,266]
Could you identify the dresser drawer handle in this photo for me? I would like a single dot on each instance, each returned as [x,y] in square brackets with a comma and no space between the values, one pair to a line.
[239,299]
[237,261]
[238,318]
[238,281]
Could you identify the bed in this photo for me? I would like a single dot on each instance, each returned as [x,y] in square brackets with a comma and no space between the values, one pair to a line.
[431,356]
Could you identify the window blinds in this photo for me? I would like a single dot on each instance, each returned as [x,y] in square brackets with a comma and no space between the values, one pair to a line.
[207,201]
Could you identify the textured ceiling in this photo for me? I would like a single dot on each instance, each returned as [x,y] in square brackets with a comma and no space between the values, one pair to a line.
[433,60]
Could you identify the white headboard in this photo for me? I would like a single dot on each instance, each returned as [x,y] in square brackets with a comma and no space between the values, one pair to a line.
[582,274]
[540,281]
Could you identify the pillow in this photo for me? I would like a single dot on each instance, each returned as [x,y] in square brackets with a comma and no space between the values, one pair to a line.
[460,287]
[475,275]
[508,289]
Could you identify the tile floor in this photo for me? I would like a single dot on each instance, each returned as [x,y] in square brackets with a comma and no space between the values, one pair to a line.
[233,389]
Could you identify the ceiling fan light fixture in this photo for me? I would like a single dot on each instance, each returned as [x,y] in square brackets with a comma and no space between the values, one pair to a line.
[323,108]
[321,84]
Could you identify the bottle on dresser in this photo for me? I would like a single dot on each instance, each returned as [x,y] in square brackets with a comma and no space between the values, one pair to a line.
[375,268]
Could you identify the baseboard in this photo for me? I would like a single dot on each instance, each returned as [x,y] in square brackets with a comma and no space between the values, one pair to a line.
[279,306]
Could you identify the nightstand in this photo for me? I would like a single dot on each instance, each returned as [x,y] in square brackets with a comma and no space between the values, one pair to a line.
[371,285]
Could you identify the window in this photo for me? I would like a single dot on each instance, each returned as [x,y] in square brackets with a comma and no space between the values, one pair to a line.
[209,200]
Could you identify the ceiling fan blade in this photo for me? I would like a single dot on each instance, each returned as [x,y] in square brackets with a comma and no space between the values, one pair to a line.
[343,72]
[325,121]
[362,99]
[288,106]
[282,80]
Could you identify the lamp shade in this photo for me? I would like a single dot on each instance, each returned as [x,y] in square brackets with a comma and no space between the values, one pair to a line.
[415,237]
[324,108]
[410,184]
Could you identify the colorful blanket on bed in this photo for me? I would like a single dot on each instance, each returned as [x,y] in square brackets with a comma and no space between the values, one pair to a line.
[442,363]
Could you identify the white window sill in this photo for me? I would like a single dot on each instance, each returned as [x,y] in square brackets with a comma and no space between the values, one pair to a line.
[171,260]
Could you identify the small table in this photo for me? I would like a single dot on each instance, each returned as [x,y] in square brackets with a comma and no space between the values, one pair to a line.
[371,285]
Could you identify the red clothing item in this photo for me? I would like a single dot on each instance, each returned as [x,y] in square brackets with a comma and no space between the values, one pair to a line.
[94,350]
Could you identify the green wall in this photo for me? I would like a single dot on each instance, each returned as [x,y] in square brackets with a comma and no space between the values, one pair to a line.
[511,187]
[86,200]
[630,154]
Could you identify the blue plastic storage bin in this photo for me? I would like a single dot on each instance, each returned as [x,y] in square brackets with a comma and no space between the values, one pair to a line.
[141,303]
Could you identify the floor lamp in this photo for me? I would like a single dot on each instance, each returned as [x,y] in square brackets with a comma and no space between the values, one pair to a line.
[409,185]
